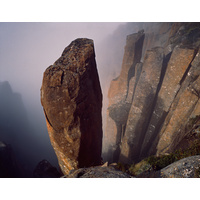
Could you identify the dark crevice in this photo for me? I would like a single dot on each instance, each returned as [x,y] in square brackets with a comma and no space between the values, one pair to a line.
[136,59]
[137,79]
[62,78]
[47,118]
[146,150]
[163,71]
[187,70]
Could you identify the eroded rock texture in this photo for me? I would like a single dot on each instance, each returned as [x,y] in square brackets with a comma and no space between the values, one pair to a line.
[177,66]
[184,168]
[72,100]
[162,94]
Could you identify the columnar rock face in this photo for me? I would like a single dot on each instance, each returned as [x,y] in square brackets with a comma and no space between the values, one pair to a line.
[141,107]
[121,92]
[185,107]
[132,56]
[72,100]
[177,66]
[153,118]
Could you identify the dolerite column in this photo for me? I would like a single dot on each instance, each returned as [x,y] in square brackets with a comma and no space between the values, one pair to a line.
[72,101]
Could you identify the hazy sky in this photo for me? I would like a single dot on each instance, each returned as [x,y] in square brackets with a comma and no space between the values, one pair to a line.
[27,49]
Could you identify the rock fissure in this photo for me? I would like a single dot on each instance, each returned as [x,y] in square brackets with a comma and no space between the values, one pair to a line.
[159,104]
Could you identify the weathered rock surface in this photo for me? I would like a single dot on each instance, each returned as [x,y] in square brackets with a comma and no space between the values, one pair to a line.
[176,68]
[153,117]
[98,172]
[121,92]
[72,100]
[141,107]
[171,134]
[45,170]
[185,168]
[192,108]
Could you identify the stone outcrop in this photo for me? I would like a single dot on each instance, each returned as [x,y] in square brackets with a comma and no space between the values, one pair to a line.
[185,168]
[165,97]
[72,100]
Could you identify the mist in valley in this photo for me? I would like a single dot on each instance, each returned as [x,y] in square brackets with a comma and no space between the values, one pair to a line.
[27,49]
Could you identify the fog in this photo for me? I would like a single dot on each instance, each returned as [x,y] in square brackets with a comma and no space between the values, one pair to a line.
[27,49]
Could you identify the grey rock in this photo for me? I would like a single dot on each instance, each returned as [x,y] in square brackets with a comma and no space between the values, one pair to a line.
[184,168]
[98,172]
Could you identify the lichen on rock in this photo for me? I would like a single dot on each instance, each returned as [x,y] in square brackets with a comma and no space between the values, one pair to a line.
[72,101]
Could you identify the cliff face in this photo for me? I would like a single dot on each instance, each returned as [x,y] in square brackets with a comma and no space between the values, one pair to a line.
[15,129]
[72,100]
[162,93]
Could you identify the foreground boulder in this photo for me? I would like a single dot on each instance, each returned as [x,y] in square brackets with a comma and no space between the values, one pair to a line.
[98,172]
[72,100]
[185,168]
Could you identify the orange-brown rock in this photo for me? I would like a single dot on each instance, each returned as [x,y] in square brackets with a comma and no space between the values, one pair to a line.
[176,68]
[141,107]
[184,107]
[142,126]
[72,100]
[120,94]
[132,55]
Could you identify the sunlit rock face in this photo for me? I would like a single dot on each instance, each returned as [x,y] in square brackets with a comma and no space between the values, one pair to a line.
[162,99]
[72,100]
[185,106]
[176,68]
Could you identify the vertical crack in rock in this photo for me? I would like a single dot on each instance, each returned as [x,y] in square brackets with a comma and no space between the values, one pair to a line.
[72,100]
[120,93]
[178,64]
[141,106]
[145,149]
[182,109]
